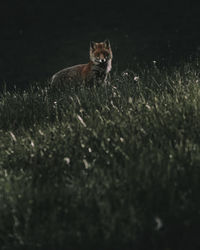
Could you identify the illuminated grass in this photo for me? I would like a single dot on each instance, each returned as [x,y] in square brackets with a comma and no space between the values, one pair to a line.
[100,168]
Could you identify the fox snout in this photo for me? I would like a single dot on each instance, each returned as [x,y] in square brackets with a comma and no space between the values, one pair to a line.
[102,60]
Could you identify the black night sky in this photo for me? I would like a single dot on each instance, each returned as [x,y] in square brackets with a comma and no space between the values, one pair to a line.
[39,38]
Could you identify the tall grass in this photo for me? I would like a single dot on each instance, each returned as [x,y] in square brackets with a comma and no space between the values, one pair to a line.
[108,167]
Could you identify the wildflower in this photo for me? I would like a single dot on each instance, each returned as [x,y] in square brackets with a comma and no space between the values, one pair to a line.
[136,78]
[121,139]
[67,160]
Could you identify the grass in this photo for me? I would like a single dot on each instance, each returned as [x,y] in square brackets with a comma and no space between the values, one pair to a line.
[111,167]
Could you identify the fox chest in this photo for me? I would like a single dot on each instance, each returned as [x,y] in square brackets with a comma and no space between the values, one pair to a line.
[98,73]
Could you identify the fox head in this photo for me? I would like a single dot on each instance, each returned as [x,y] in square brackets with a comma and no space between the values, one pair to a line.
[100,53]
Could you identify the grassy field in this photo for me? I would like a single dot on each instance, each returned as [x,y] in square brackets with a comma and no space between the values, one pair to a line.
[111,167]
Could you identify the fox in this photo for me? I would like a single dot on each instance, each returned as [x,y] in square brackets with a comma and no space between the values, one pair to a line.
[94,72]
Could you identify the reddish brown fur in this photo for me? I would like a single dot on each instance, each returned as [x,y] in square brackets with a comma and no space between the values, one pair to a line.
[90,72]
[85,69]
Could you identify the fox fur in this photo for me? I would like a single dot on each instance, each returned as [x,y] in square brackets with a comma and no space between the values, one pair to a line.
[94,72]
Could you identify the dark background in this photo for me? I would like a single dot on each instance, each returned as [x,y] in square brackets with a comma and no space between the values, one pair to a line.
[39,38]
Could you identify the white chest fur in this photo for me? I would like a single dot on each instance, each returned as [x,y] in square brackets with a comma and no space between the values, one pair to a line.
[109,66]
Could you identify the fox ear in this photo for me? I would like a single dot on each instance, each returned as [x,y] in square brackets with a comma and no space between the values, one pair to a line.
[107,43]
[92,45]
